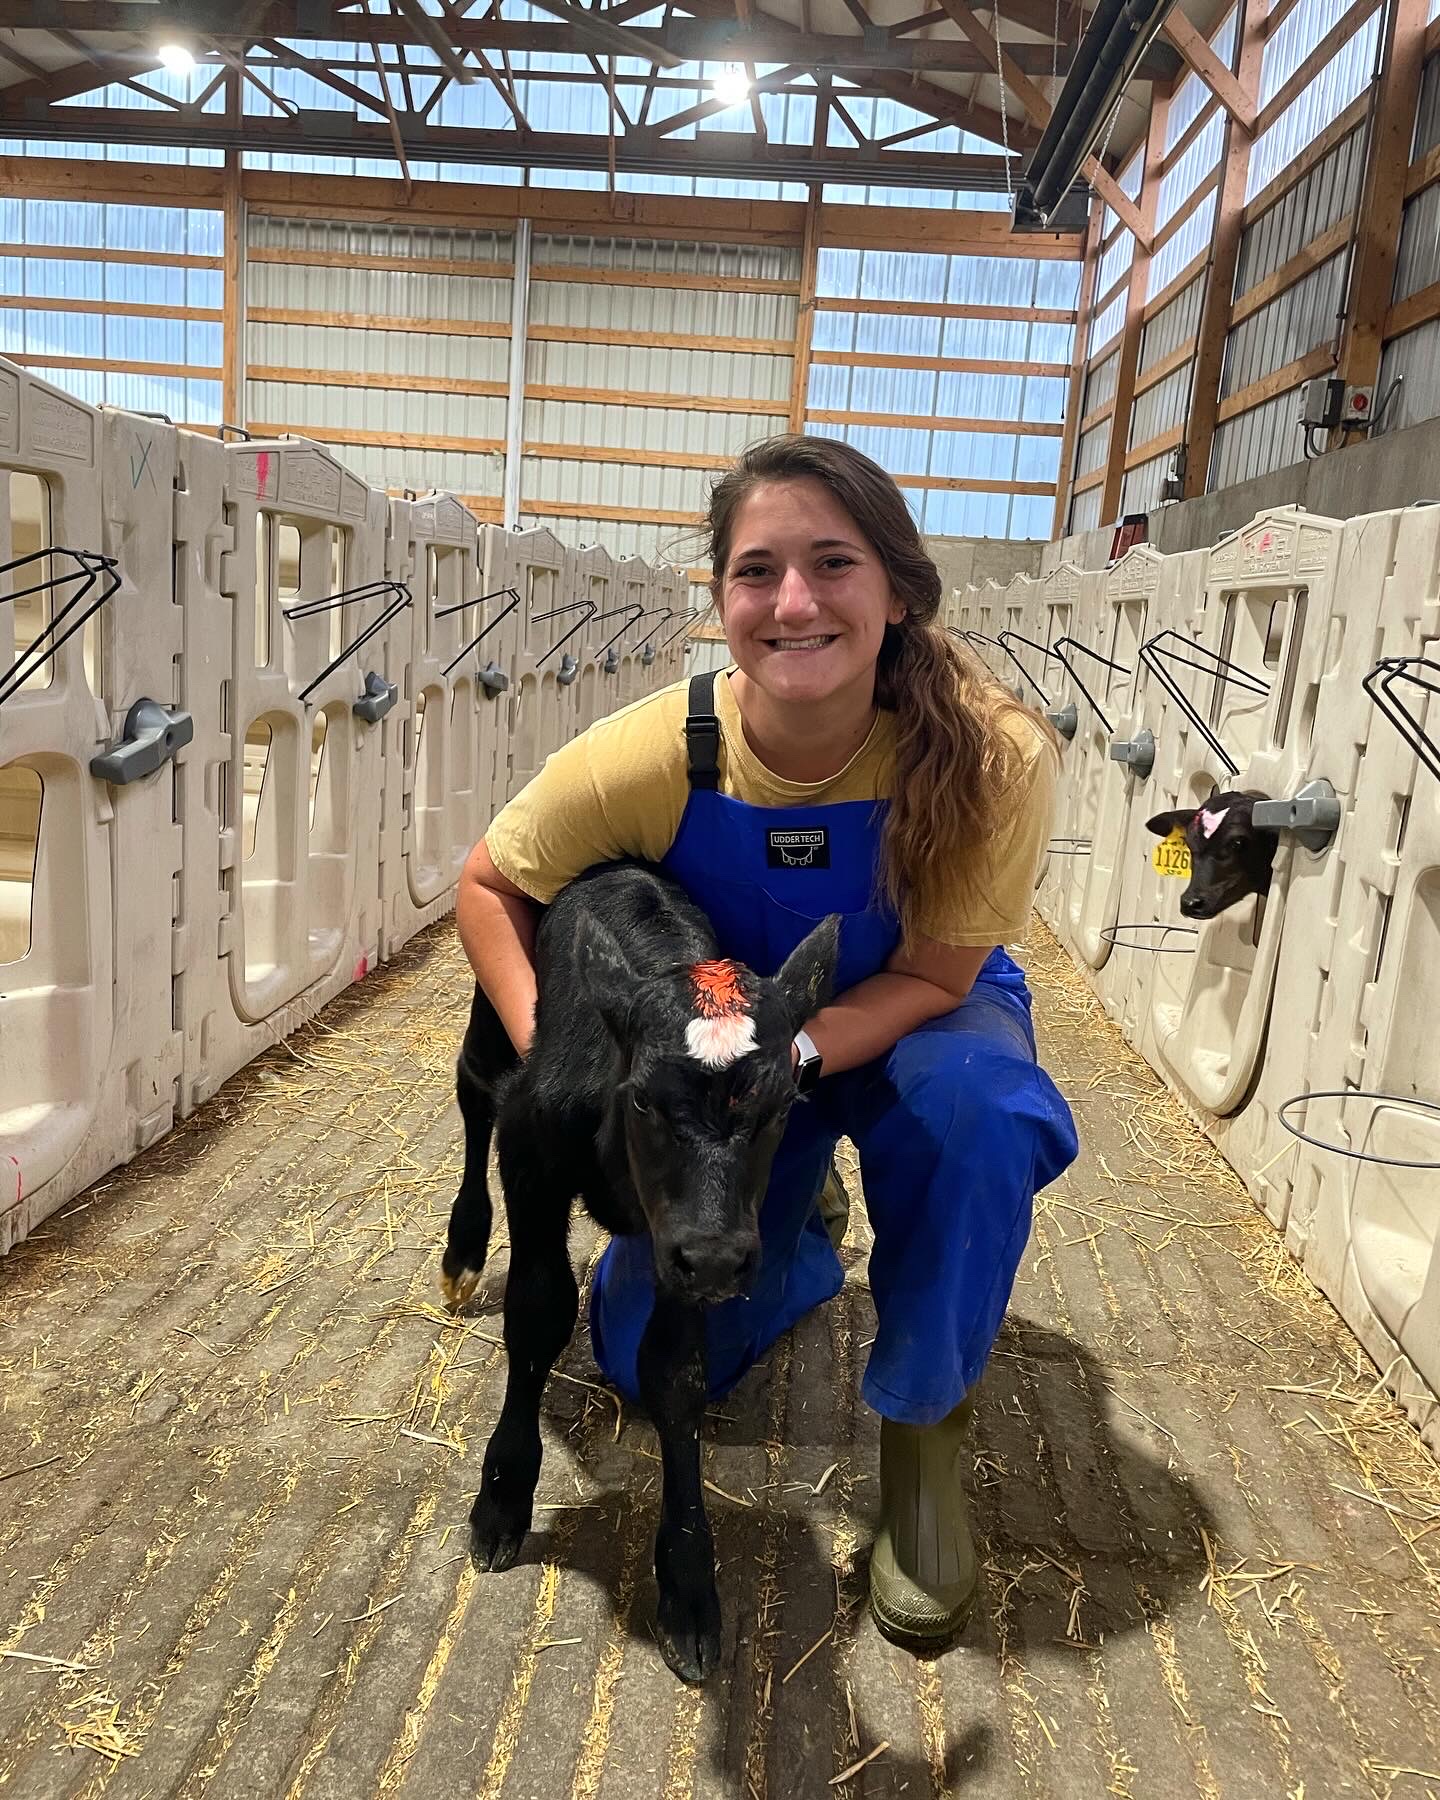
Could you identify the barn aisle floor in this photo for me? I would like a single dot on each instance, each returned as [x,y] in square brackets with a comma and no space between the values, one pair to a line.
[239,1441]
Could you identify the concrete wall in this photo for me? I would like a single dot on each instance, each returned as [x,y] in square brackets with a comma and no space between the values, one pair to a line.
[963,561]
[1400,468]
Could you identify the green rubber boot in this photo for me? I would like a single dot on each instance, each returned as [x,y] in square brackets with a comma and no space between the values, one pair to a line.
[924,1577]
[835,1207]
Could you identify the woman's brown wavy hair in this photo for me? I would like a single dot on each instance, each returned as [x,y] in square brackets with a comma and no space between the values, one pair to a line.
[954,760]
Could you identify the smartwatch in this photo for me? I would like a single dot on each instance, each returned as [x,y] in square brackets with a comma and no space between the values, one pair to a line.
[811,1065]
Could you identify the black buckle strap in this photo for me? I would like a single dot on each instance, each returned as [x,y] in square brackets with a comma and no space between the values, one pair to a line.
[702,734]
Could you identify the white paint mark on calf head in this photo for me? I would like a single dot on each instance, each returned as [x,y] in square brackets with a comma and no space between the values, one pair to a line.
[1210,822]
[719,1042]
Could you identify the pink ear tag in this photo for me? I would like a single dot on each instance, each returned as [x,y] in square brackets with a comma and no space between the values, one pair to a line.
[1210,822]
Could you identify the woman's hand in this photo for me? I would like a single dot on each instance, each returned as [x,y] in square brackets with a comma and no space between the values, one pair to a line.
[915,986]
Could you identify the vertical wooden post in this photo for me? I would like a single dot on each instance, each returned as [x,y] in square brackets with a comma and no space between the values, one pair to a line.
[805,317]
[232,329]
[1382,194]
[1084,312]
[1220,281]
[1134,312]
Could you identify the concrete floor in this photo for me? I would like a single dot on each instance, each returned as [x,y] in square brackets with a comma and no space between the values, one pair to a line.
[239,1441]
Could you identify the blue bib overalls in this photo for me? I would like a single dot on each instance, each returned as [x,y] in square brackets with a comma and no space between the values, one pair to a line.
[957,1126]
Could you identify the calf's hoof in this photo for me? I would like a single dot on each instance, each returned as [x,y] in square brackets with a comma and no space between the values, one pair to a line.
[689,1634]
[457,1283]
[495,1535]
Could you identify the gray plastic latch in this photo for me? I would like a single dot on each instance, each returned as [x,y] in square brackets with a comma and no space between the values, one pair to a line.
[1065,719]
[493,678]
[1137,753]
[1312,815]
[568,670]
[379,696]
[153,734]
[611,664]
[647,656]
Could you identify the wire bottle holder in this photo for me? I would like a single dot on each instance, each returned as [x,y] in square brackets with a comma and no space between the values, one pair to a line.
[1057,650]
[1427,1108]
[307,609]
[1380,684]
[980,637]
[1155,658]
[92,571]
[444,612]
[1111,935]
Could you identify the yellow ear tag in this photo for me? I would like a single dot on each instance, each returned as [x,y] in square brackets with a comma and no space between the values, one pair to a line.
[1171,856]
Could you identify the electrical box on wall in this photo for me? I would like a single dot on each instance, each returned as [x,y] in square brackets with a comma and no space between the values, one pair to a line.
[1321,401]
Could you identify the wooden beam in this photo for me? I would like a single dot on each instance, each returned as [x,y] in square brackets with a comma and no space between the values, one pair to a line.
[498,328]
[1214,324]
[113,366]
[1188,207]
[1329,46]
[1318,250]
[232,332]
[1424,172]
[1106,410]
[479,206]
[942,309]
[1203,62]
[805,313]
[1382,197]
[1073,427]
[1134,310]
[387,381]
[945,365]
[1187,137]
[1153,447]
[1279,381]
[1165,367]
[1176,286]
[125,309]
[1418,309]
[934,422]
[1310,157]
[149,259]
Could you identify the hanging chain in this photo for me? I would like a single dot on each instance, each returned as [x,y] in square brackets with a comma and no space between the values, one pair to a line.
[1004,110]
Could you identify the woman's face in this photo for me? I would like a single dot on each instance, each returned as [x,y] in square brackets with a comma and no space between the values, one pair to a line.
[804,598]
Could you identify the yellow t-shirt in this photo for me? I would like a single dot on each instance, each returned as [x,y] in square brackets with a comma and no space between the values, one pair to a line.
[620,788]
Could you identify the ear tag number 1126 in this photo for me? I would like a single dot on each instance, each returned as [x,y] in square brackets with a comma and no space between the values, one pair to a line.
[1171,856]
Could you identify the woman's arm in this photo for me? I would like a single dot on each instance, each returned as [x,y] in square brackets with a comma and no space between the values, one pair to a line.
[914,986]
[497,923]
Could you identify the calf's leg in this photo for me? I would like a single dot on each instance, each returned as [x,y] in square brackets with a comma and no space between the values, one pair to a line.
[468,1236]
[671,1370]
[541,1300]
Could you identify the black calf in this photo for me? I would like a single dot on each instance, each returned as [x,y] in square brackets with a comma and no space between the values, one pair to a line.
[1230,856]
[656,1088]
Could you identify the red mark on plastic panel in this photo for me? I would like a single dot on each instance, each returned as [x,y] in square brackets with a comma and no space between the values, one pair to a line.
[262,471]
[19,1181]
[362,969]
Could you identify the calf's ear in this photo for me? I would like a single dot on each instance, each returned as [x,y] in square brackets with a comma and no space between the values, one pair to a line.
[1164,823]
[607,978]
[806,979]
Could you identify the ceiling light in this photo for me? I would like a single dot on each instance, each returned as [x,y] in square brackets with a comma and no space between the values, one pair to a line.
[732,85]
[176,58]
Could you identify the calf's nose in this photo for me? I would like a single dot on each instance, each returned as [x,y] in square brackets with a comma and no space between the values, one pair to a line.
[712,1268]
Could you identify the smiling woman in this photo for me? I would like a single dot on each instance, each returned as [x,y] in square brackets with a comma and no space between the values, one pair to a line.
[854,761]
